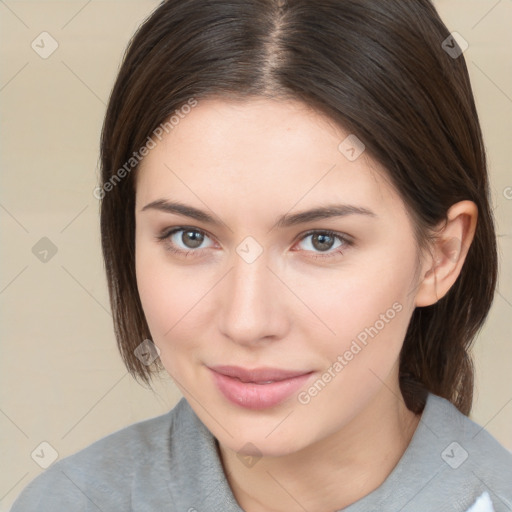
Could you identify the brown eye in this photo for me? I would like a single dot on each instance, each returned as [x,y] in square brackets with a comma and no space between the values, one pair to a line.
[184,241]
[192,239]
[322,242]
[329,243]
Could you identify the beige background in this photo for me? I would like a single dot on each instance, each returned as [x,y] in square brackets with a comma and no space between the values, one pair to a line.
[62,381]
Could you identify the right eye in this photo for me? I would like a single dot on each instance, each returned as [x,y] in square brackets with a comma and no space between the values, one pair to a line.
[183,240]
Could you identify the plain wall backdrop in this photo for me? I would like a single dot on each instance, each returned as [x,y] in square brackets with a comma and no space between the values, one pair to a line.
[62,381]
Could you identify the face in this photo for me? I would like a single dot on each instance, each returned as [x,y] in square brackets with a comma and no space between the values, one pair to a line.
[310,310]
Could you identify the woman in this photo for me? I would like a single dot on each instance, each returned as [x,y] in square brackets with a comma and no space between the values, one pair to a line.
[296,226]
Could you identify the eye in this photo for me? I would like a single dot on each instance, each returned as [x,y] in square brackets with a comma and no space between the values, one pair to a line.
[185,241]
[325,242]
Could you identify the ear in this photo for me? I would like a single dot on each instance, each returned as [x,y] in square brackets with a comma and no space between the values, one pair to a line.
[443,265]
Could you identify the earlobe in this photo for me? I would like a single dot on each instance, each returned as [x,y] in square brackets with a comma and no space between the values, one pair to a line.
[446,259]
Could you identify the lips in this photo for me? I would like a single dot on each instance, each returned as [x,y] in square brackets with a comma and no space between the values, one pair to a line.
[260,388]
[258,375]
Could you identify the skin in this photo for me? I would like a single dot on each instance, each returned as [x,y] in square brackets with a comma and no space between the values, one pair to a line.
[246,164]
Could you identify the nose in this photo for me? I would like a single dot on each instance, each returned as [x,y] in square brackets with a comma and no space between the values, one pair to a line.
[252,307]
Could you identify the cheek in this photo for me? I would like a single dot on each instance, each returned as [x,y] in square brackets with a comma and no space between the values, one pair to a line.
[174,299]
[369,312]
[161,297]
[368,308]
[164,292]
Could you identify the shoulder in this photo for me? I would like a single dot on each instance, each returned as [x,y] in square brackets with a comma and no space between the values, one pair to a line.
[468,436]
[451,462]
[102,475]
[466,459]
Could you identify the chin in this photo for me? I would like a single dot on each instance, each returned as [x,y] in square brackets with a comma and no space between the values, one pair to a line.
[256,441]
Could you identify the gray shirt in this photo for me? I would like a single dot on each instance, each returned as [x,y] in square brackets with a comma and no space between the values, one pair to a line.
[171,463]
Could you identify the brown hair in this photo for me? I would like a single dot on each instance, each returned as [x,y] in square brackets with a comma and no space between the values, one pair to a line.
[376,68]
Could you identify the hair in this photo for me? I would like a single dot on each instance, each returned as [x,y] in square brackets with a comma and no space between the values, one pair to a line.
[377,69]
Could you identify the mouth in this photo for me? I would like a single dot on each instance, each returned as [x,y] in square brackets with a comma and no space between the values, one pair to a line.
[259,388]
[258,375]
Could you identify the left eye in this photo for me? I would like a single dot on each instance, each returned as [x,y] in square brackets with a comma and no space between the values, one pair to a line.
[323,241]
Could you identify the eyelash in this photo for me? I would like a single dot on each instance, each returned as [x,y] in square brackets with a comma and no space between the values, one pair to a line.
[165,236]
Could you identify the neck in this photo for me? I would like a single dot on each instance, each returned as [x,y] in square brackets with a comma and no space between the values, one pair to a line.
[346,466]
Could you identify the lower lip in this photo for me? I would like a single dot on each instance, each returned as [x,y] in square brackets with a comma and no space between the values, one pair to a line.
[258,396]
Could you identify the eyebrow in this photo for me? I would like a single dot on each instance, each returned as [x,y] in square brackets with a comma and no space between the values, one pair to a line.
[287,220]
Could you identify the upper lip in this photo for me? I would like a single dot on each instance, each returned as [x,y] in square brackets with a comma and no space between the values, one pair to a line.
[258,375]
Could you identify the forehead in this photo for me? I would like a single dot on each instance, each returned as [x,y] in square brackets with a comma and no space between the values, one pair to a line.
[242,155]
